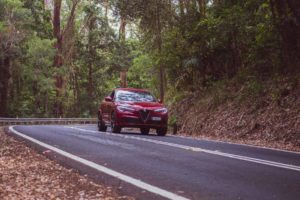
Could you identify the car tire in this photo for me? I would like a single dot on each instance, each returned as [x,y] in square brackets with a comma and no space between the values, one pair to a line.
[114,128]
[101,124]
[145,131]
[161,131]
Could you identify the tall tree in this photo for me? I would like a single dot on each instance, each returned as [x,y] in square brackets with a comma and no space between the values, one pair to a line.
[152,16]
[93,65]
[12,17]
[122,38]
[159,48]
[63,51]
[58,60]
[287,20]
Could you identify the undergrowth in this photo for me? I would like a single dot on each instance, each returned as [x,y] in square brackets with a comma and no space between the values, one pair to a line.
[242,88]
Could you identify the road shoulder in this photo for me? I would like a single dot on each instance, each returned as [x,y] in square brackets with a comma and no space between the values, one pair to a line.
[26,174]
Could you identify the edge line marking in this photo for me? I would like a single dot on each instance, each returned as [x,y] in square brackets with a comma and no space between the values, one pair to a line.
[235,143]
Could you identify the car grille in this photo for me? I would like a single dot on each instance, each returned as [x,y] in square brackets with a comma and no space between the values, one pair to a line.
[144,118]
[131,120]
[144,114]
[156,122]
[139,121]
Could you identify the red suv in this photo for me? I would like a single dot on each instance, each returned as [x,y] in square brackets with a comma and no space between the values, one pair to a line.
[128,107]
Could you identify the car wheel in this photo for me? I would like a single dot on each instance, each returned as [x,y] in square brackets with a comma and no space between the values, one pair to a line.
[101,124]
[114,128]
[161,131]
[145,131]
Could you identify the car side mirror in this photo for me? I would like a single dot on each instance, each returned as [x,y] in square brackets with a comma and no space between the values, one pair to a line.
[108,98]
[160,101]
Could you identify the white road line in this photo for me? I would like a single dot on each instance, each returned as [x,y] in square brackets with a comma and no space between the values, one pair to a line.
[247,145]
[123,177]
[196,149]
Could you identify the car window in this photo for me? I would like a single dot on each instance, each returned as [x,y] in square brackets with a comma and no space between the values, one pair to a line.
[134,96]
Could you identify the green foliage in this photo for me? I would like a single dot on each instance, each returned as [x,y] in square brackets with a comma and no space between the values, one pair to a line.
[139,74]
[252,89]
[40,53]
[219,92]
[233,43]
[172,120]
[174,96]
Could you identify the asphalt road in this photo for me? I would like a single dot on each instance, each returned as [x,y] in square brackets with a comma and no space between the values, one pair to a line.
[178,166]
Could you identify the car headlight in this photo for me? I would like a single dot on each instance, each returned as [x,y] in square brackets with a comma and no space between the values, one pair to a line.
[125,108]
[161,110]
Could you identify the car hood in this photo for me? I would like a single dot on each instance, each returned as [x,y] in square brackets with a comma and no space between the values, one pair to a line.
[149,105]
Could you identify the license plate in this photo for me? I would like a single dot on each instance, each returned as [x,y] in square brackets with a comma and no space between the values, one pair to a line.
[156,118]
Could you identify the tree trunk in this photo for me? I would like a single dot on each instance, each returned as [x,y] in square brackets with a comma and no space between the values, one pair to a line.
[123,77]
[62,50]
[58,107]
[188,7]
[76,93]
[159,48]
[18,88]
[92,53]
[46,103]
[294,6]
[90,81]
[35,93]
[236,61]
[122,35]
[4,86]
[90,88]
[285,14]
[122,30]
[181,8]
[217,2]
[106,8]
[202,7]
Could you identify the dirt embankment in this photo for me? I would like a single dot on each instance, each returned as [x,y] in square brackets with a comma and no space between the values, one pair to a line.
[25,174]
[270,118]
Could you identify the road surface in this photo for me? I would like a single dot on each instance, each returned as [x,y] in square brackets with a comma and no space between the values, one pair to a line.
[171,167]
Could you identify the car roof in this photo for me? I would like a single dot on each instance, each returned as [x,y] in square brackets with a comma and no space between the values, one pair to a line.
[132,89]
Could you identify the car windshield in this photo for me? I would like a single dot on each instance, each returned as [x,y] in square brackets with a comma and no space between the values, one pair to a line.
[134,96]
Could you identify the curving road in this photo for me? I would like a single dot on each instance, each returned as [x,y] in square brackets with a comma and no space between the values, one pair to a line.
[152,167]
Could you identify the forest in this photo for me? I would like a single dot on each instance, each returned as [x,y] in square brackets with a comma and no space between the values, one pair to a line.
[59,58]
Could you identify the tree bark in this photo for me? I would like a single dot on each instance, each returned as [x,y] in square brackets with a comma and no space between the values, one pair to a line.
[236,56]
[123,77]
[35,92]
[76,93]
[106,8]
[289,30]
[62,50]
[159,48]
[46,103]
[92,53]
[4,87]
[122,30]
[181,8]
[58,107]
[202,7]
[122,37]
[294,6]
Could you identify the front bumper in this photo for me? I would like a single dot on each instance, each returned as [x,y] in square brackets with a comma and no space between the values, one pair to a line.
[137,120]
